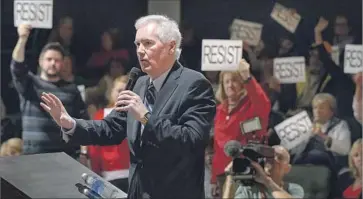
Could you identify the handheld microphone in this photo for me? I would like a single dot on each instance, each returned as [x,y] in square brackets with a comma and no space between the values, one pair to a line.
[134,74]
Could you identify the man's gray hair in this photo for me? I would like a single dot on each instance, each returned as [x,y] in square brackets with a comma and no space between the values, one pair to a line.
[167,29]
[326,97]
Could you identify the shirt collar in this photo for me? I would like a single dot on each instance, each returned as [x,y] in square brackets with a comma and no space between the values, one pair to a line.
[158,82]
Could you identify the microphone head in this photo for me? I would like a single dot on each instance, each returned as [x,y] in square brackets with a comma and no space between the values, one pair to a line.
[232,148]
[134,73]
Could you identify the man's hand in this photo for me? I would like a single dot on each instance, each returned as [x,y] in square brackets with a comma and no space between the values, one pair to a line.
[129,101]
[261,176]
[216,190]
[244,69]
[24,31]
[55,108]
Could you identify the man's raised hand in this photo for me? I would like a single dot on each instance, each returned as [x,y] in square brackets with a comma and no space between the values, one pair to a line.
[55,108]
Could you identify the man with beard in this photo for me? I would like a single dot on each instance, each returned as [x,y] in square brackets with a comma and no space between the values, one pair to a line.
[40,133]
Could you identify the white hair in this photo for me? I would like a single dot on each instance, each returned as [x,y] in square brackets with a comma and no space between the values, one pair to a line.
[167,29]
[326,97]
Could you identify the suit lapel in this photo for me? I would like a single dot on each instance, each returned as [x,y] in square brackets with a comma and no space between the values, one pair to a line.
[167,89]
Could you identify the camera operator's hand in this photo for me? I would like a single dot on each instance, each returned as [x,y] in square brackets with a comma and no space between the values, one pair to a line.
[261,176]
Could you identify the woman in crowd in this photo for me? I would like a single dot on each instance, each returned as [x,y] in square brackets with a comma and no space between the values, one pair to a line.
[242,100]
[111,162]
[354,191]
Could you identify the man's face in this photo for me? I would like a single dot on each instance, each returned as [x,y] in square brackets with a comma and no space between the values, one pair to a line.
[341,27]
[153,55]
[51,62]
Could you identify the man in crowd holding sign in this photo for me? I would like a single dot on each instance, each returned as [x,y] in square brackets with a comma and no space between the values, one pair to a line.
[40,133]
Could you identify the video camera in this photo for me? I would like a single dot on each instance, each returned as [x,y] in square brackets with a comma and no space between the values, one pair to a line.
[242,169]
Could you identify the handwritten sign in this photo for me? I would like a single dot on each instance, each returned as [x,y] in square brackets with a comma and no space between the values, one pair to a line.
[246,31]
[285,17]
[353,59]
[37,13]
[294,130]
[219,55]
[290,69]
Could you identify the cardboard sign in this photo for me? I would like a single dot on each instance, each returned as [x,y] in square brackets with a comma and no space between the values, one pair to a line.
[221,55]
[37,13]
[282,15]
[294,130]
[106,111]
[335,53]
[246,31]
[353,59]
[290,69]
[82,91]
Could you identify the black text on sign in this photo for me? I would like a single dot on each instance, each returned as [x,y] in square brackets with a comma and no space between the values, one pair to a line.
[37,13]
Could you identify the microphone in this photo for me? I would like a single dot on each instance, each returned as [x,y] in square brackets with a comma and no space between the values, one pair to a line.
[135,73]
[233,149]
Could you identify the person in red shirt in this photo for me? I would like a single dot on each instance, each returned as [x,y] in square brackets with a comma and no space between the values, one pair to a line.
[111,162]
[354,191]
[241,99]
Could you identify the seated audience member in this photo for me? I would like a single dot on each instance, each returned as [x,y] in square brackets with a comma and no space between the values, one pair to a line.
[116,68]
[269,181]
[67,72]
[330,135]
[242,99]
[111,162]
[12,147]
[357,100]
[354,191]
[109,48]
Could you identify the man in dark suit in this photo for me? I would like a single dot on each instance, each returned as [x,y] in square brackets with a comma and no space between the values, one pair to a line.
[169,115]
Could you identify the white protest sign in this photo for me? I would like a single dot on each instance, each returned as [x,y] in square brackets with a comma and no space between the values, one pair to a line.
[37,13]
[289,70]
[294,130]
[107,111]
[220,55]
[353,59]
[246,31]
[335,53]
[285,17]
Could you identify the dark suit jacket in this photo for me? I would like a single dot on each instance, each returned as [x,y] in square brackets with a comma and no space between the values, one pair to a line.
[169,162]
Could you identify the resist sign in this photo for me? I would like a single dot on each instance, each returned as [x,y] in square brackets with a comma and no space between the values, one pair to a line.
[37,13]
[353,58]
[289,69]
[219,55]
[294,130]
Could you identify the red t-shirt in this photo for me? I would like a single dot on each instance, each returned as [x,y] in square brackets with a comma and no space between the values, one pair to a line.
[108,158]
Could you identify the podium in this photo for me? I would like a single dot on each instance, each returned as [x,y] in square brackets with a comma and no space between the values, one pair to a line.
[48,175]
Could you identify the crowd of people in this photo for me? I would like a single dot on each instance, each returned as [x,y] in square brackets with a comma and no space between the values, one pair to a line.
[332,98]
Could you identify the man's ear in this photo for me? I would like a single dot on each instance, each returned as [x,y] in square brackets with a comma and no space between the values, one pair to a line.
[172,47]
